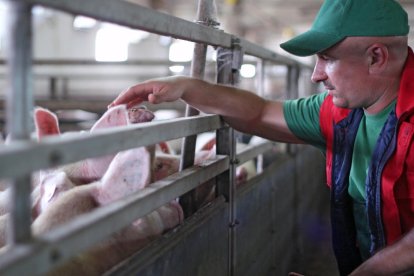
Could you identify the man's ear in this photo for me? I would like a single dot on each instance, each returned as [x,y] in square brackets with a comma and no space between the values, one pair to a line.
[378,57]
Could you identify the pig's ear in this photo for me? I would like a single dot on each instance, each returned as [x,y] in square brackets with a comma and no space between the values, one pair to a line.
[209,144]
[46,123]
[115,116]
[164,148]
[128,172]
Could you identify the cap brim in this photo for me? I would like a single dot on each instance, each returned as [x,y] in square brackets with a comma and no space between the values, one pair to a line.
[310,43]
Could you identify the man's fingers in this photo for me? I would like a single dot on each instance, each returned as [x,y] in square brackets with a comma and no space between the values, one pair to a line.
[133,95]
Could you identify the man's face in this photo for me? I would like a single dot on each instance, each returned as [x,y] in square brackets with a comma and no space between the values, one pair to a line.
[343,70]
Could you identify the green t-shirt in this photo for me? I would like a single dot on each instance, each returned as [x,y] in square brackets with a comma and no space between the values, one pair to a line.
[302,117]
[367,136]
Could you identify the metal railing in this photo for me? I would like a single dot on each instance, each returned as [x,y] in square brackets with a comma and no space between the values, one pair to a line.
[22,156]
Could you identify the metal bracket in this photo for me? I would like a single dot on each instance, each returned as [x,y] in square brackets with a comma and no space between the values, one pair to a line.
[237,52]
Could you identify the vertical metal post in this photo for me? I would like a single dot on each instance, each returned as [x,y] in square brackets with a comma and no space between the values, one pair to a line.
[292,82]
[260,68]
[292,91]
[19,105]
[65,87]
[52,88]
[206,15]
[260,88]
[229,62]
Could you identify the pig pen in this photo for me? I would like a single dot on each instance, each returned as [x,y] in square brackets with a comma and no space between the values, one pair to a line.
[267,226]
[282,225]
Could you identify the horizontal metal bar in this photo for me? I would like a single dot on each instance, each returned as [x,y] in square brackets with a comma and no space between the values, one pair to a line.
[140,260]
[253,151]
[140,62]
[139,17]
[53,151]
[258,51]
[71,238]
[93,104]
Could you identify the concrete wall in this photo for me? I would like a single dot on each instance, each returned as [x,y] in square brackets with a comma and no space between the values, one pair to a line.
[283,226]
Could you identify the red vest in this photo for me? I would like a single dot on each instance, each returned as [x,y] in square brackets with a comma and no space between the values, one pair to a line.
[396,187]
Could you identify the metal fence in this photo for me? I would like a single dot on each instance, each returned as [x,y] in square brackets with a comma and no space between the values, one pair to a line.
[23,156]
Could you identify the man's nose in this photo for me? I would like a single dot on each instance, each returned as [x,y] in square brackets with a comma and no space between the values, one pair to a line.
[319,73]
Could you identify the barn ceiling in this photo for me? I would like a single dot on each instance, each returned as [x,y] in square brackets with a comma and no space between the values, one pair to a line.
[266,22]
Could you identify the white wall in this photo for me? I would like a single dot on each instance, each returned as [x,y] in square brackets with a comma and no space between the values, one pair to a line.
[55,38]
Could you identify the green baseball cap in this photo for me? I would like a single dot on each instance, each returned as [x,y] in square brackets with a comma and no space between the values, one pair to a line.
[338,19]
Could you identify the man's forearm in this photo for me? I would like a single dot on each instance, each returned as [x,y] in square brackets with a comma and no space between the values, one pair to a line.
[243,110]
[223,100]
[397,259]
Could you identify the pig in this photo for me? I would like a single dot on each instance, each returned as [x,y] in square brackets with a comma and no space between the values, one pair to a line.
[3,228]
[89,170]
[50,187]
[85,171]
[167,164]
[164,147]
[206,149]
[116,183]
[127,172]
[4,202]
[244,172]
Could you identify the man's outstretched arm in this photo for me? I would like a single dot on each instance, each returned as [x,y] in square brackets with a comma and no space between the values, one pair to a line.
[242,109]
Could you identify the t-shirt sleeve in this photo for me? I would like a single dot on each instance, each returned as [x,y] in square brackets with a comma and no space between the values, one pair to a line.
[302,118]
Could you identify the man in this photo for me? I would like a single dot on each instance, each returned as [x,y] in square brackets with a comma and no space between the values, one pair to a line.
[364,123]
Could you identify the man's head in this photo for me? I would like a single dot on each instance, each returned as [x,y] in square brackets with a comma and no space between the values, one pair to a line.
[361,48]
[362,71]
[338,19]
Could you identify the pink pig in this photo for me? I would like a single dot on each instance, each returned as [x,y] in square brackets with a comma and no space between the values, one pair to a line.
[116,183]
[56,181]
[92,169]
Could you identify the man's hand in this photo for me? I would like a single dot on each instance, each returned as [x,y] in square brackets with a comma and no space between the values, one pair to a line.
[154,91]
